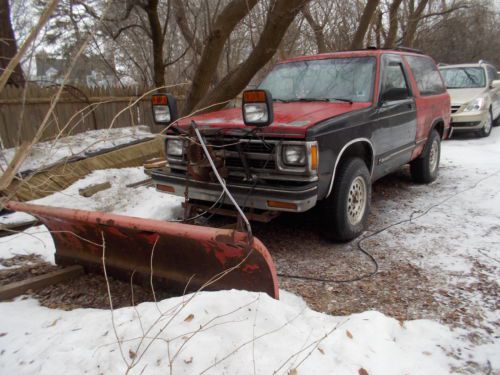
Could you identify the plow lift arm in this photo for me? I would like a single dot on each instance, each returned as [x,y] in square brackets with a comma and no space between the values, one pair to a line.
[181,257]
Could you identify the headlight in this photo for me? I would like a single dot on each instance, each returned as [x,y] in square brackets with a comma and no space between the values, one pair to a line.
[475,105]
[294,155]
[161,113]
[255,113]
[175,147]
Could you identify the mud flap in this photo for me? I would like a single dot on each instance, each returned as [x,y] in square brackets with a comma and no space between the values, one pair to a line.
[185,257]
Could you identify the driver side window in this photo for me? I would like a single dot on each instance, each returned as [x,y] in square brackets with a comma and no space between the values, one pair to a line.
[394,85]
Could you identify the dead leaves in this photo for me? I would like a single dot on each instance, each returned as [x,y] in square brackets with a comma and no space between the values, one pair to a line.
[349,334]
[188,360]
[362,371]
[132,354]
[293,372]
[189,318]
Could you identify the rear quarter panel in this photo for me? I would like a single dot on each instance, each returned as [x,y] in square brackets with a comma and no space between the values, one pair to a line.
[431,109]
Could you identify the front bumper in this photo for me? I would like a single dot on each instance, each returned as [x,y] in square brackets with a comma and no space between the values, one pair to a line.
[289,198]
[467,121]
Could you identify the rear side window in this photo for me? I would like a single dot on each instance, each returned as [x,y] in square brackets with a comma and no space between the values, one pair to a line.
[492,73]
[426,75]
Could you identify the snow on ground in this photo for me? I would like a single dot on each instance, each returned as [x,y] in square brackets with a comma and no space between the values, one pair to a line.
[44,154]
[230,332]
[141,201]
[238,332]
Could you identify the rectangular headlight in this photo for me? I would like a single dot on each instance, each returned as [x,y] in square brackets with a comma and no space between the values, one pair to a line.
[294,155]
[257,108]
[162,113]
[255,113]
[175,147]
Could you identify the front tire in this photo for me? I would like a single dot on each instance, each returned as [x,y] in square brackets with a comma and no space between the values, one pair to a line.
[486,130]
[345,212]
[424,169]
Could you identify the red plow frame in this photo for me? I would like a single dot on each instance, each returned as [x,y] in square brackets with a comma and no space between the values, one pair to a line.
[184,257]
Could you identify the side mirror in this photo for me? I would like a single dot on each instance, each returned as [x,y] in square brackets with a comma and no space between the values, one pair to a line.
[495,84]
[257,108]
[164,108]
[394,93]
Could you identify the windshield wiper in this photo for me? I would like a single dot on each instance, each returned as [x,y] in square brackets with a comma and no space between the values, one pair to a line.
[342,100]
[324,100]
[311,100]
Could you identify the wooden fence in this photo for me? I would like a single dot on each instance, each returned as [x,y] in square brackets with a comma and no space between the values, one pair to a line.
[78,110]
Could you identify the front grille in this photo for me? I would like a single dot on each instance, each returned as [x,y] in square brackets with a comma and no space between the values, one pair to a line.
[246,146]
[258,154]
[455,108]
[469,124]
[252,163]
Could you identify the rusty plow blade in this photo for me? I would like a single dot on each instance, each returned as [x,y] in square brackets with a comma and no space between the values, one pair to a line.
[185,257]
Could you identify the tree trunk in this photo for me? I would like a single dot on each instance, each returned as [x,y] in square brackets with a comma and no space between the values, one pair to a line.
[225,23]
[278,20]
[157,39]
[317,30]
[182,22]
[8,46]
[413,20]
[364,24]
[390,41]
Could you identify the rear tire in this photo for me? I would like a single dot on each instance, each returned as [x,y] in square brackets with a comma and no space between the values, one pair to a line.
[424,169]
[345,212]
[486,130]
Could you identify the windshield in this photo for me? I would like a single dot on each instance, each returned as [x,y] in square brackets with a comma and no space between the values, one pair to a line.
[464,78]
[343,79]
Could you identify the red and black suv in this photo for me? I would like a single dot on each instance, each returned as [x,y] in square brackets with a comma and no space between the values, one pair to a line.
[318,130]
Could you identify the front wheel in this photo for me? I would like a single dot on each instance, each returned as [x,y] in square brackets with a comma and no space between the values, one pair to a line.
[345,212]
[486,130]
[424,169]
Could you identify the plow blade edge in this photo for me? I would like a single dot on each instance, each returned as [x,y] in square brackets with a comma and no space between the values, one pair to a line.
[183,257]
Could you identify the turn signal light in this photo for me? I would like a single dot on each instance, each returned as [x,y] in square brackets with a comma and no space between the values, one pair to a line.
[166,188]
[314,157]
[280,204]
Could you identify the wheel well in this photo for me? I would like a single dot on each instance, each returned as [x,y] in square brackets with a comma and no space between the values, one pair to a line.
[440,128]
[361,150]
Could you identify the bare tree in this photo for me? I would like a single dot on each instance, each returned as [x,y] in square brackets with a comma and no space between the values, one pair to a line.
[364,24]
[225,23]
[280,16]
[392,33]
[8,45]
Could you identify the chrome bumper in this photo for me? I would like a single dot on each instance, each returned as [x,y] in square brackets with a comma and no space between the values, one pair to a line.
[301,198]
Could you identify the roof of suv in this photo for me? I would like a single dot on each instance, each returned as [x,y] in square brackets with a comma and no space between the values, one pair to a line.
[476,65]
[353,53]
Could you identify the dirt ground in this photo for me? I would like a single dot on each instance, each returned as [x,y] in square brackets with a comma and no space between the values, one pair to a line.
[399,288]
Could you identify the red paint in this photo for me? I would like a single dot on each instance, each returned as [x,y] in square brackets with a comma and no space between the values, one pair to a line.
[285,114]
[184,254]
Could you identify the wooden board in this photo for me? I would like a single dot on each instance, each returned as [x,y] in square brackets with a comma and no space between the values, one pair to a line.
[18,288]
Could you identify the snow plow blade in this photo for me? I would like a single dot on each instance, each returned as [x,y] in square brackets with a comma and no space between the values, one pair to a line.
[185,257]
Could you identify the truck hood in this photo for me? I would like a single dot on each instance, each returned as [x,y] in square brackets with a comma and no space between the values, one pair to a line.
[462,96]
[290,119]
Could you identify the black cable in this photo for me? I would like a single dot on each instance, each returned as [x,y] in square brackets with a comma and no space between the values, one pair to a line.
[371,257]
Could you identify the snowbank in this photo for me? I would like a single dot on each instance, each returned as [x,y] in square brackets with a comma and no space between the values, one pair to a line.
[44,154]
[229,332]
[142,201]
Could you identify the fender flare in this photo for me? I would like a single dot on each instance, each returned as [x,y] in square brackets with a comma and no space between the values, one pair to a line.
[344,148]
